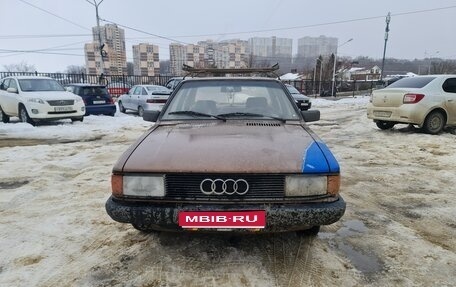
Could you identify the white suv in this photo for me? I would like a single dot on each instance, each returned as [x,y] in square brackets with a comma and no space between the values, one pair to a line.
[33,98]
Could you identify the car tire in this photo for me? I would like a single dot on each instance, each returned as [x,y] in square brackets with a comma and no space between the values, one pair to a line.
[144,229]
[4,117]
[24,117]
[434,123]
[81,119]
[122,108]
[385,125]
[140,111]
[309,232]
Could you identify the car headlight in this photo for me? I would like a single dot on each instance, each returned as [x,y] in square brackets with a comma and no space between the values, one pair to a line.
[304,185]
[138,185]
[36,100]
[78,100]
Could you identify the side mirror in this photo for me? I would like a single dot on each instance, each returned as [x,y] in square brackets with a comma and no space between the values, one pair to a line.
[12,90]
[151,116]
[311,116]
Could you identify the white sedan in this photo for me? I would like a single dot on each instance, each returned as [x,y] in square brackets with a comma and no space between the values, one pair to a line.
[33,99]
[142,98]
[426,101]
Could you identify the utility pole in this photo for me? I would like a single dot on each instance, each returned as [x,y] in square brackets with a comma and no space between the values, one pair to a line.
[334,67]
[101,45]
[388,19]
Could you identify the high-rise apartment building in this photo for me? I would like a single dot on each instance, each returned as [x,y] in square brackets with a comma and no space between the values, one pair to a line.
[146,60]
[313,47]
[115,59]
[268,51]
[177,57]
[226,54]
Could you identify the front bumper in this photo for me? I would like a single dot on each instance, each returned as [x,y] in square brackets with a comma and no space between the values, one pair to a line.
[280,217]
[304,105]
[46,112]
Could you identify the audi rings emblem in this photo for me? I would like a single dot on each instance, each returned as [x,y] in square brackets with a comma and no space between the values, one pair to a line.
[224,186]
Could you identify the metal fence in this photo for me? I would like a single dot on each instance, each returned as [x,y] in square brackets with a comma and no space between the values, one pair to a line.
[324,88]
[117,84]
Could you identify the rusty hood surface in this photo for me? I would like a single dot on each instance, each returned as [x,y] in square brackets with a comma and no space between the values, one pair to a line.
[219,147]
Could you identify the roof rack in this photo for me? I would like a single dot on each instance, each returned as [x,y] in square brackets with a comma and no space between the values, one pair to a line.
[221,72]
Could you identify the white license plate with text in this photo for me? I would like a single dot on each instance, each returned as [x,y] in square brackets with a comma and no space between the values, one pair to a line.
[63,109]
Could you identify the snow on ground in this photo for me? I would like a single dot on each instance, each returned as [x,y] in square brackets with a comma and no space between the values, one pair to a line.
[399,228]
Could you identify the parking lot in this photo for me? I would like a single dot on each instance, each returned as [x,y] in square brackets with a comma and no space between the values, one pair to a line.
[399,228]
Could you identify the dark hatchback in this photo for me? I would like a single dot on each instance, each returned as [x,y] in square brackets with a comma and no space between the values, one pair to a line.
[96,98]
[303,102]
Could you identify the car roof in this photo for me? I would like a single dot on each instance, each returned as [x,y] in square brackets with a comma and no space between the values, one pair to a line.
[233,79]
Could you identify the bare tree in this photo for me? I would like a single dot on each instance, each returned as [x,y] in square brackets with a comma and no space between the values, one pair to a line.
[130,68]
[443,67]
[20,67]
[165,66]
[74,69]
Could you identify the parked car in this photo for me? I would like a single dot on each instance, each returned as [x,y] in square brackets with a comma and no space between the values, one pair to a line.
[228,154]
[173,82]
[96,98]
[118,88]
[426,101]
[142,98]
[303,102]
[34,99]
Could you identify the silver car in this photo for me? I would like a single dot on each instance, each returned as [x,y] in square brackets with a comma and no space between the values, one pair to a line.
[142,98]
[426,101]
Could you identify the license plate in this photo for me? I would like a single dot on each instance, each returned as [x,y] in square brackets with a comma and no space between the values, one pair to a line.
[99,102]
[304,104]
[63,109]
[255,219]
[382,114]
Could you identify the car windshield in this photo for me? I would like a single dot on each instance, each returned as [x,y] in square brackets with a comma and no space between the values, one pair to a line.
[94,91]
[418,82]
[292,90]
[233,98]
[38,85]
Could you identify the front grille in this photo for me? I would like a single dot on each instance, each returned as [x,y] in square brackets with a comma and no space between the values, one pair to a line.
[61,103]
[262,124]
[261,186]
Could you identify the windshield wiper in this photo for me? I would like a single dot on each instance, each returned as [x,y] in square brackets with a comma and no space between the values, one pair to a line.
[196,114]
[240,114]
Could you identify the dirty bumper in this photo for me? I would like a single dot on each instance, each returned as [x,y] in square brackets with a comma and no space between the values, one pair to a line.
[279,217]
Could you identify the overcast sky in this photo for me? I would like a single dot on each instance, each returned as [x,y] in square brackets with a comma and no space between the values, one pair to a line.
[411,34]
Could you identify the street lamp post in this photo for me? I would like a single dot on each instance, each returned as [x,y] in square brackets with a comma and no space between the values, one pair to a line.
[95,4]
[430,61]
[388,19]
[319,82]
[334,67]
[315,71]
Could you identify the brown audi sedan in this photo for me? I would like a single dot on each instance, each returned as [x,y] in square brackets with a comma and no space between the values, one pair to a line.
[228,154]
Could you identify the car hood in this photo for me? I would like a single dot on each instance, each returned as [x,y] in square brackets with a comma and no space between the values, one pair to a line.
[300,97]
[51,95]
[256,147]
